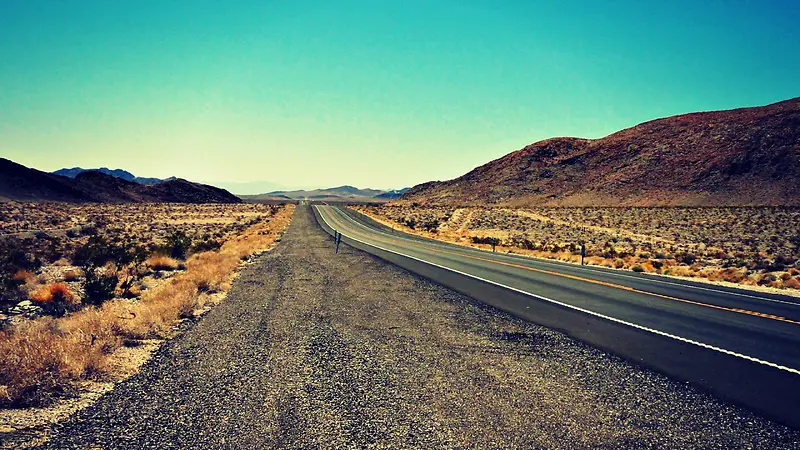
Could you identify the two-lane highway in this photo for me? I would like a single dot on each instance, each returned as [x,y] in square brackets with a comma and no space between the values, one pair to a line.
[741,345]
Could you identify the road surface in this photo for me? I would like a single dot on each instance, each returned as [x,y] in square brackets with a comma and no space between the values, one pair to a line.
[740,345]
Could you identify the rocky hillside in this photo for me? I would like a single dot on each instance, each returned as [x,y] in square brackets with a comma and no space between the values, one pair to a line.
[21,183]
[739,157]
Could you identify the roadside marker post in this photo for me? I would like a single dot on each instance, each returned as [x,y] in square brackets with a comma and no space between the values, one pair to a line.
[338,240]
[583,252]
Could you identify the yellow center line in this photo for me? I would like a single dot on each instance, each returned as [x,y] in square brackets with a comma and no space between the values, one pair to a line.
[613,285]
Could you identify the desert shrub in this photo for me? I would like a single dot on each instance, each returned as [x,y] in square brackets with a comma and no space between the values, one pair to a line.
[486,240]
[177,244]
[161,262]
[99,287]
[521,242]
[15,264]
[89,230]
[609,252]
[56,299]
[767,279]
[54,292]
[637,268]
[206,245]
[97,252]
[71,275]
[687,258]
[430,225]
[791,283]
[22,277]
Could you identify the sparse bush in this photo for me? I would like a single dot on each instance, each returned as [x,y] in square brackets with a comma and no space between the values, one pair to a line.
[431,226]
[791,283]
[22,277]
[161,262]
[637,268]
[205,246]
[97,252]
[56,299]
[177,244]
[486,240]
[767,279]
[99,287]
[71,275]
[687,258]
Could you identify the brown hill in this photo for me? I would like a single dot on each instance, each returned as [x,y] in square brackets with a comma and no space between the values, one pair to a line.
[744,156]
[21,183]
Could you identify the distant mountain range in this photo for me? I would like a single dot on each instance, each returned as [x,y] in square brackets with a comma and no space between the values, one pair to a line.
[21,183]
[116,173]
[341,193]
[747,156]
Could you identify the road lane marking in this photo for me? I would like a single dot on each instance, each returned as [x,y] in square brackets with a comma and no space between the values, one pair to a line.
[650,279]
[612,285]
[583,310]
[628,288]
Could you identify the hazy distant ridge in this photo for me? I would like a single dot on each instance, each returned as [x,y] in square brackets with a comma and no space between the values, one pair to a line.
[340,193]
[116,173]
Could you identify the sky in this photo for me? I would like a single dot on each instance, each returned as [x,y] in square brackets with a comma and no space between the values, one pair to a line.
[381,94]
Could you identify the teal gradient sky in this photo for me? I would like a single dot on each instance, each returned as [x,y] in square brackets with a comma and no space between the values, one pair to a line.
[370,93]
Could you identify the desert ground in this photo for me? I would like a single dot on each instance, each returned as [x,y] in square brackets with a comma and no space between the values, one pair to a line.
[79,282]
[754,246]
[318,349]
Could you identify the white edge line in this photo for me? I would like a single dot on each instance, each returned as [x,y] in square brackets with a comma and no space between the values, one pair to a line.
[649,277]
[583,310]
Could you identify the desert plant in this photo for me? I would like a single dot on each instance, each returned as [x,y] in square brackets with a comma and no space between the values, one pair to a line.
[15,261]
[71,275]
[161,262]
[96,252]
[56,299]
[99,287]
[206,245]
[177,244]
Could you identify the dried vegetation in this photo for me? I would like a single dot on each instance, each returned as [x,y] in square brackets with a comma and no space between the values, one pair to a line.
[97,277]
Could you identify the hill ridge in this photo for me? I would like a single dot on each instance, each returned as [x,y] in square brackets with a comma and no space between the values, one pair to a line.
[744,156]
[20,183]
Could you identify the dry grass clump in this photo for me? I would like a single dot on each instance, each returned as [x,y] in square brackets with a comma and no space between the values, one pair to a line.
[162,262]
[45,355]
[71,275]
[23,276]
[55,293]
[791,283]
[157,311]
[38,356]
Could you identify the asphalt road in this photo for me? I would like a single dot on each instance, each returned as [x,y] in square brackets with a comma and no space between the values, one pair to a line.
[740,345]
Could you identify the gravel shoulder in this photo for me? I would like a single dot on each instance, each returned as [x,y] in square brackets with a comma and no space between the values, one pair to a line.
[317,350]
